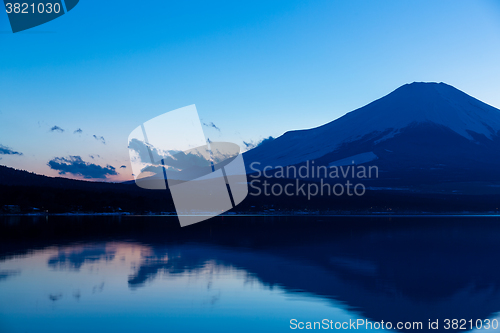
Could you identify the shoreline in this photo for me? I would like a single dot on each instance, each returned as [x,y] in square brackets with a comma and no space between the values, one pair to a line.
[267,214]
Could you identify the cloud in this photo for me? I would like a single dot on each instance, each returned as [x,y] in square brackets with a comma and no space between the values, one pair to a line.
[74,259]
[211,125]
[78,131]
[123,167]
[252,144]
[76,166]
[145,152]
[150,158]
[7,151]
[56,128]
[8,273]
[100,138]
[173,158]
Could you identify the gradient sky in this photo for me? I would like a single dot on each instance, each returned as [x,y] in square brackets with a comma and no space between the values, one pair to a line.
[253,68]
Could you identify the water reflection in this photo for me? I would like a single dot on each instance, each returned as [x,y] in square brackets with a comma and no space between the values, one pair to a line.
[8,273]
[385,269]
[74,257]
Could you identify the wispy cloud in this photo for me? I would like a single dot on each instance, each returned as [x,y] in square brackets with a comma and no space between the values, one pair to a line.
[123,167]
[211,125]
[56,129]
[7,151]
[100,138]
[78,131]
[76,166]
[252,144]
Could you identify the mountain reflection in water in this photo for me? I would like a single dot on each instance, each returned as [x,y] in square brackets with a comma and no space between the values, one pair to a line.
[243,273]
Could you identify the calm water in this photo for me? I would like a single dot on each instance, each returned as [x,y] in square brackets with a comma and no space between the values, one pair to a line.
[243,274]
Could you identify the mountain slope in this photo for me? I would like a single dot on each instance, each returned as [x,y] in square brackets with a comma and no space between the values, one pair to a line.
[421,133]
[410,106]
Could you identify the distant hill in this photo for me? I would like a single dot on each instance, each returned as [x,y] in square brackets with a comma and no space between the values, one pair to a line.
[15,177]
[25,192]
[34,193]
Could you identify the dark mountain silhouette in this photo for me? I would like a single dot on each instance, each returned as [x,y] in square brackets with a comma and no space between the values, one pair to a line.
[30,193]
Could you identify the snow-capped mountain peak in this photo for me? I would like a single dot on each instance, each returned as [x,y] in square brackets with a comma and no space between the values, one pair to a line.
[408,106]
[420,102]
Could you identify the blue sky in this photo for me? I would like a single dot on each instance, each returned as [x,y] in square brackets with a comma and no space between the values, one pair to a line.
[253,68]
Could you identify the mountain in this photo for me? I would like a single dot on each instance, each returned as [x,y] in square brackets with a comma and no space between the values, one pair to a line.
[420,134]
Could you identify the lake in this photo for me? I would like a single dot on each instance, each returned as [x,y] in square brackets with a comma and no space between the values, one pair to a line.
[247,274]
